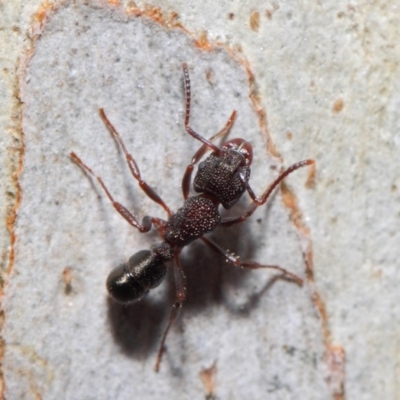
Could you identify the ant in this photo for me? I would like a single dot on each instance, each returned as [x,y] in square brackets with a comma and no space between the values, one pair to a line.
[221,179]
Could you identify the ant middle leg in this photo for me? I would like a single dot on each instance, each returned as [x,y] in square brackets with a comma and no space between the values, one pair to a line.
[258,201]
[200,153]
[133,166]
[147,221]
[176,308]
[235,260]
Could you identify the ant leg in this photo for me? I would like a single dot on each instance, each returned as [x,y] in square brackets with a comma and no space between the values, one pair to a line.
[200,153]
[261,200]
[133,166]
[249,265]
[189,130]
[147,221]
[176,308]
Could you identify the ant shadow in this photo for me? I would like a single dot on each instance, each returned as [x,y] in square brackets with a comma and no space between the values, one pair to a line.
[138,327]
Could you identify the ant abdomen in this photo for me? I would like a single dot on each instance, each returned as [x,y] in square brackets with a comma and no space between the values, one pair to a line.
[132,280]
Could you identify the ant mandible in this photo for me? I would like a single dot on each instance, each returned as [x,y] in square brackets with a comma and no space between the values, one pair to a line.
[221,179]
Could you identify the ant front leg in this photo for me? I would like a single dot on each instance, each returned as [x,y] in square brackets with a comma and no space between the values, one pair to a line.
[176,308]
[200,153]
[133,166]
[235,260]
[147,221]
[261,200]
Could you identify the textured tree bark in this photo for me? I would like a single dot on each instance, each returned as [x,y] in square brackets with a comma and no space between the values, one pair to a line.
[314,81]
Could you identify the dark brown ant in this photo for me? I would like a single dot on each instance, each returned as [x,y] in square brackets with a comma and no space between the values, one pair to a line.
[221,179]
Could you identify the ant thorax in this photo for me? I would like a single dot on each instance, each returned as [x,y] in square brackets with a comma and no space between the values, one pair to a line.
[198,216]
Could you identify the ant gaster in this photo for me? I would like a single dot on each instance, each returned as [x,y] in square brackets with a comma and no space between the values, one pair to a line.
[221,179]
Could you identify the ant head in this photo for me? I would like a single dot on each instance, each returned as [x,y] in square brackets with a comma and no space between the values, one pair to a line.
[241,146]
[224,174]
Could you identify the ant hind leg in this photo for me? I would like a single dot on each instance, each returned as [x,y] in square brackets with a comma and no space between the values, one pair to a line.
[176,308]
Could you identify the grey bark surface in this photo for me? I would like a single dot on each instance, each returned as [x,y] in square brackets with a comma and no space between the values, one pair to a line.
[327,77]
